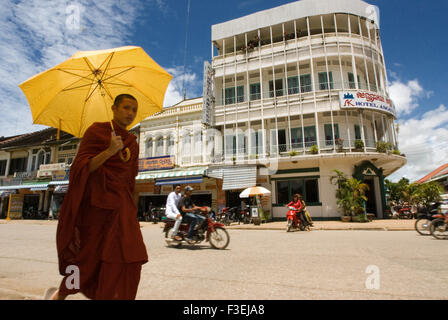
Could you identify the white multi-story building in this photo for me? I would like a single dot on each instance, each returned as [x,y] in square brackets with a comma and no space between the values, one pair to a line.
[299,90]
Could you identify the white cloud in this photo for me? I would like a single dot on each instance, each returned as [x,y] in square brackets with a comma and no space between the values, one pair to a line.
[174,93]
[424,141]
[405,95]
[37,35]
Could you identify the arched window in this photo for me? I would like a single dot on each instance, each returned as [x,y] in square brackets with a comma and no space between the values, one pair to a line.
[149,148]
[186,144]
[197,143]
[159,147]
[170,150]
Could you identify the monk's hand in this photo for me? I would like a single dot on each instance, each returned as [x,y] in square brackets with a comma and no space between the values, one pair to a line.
[116,144]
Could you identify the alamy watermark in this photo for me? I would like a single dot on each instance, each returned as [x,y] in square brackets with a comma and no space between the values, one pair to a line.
[373,280]
[73,17]
[72,281]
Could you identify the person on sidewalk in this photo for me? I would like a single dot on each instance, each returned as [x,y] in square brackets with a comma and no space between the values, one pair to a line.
[172,212]
[187,207]
[99,243]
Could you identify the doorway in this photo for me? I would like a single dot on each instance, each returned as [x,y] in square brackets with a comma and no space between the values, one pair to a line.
[371,196]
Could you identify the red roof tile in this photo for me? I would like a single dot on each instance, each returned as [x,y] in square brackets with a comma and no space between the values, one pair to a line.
[439,171]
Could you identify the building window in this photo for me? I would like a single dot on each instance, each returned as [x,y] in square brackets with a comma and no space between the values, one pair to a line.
[324,84]
[296,138]
[198,143]
[255,91]
[3,167]
[293,85]
[305,83]
[186,145]
[329,133]
[149,148]
[351,81]
[242,144]
[230,145]
[278,88]
[278,141]
[256,140]
[17,165]
[171,146]
[307,187]
[310,136]
[159,147]
[229,94]
[357,132]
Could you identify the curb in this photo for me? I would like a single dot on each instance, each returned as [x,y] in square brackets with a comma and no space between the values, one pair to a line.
[329,229]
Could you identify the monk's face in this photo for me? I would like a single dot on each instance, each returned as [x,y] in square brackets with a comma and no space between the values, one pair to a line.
[125,112]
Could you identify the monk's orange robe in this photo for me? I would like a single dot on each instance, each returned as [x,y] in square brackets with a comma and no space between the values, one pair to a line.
[98,230]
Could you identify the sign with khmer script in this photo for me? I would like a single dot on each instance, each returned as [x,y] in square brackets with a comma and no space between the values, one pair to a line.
[366,100]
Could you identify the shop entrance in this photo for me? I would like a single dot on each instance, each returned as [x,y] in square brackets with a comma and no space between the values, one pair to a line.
[371,196]
[4,202]
[233,198]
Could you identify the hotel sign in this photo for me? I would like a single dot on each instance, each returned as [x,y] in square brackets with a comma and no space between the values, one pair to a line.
[156,163]
[366,100]
[207,103]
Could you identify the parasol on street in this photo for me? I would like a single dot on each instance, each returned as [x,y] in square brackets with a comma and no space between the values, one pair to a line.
[254,191]
[80,91]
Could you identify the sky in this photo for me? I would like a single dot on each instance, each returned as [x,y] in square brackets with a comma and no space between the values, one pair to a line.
[37,35]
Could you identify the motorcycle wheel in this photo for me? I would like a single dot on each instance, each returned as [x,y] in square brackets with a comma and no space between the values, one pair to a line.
[422,226]
[168,235]
[219,239]
[302,227]
[288,226]
[439,229]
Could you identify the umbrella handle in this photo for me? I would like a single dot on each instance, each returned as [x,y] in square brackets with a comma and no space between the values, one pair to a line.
[124,154]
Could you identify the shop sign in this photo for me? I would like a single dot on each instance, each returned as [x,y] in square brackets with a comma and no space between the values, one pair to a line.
[48,170]
[207,103]
[366,100]
[15,206]
[156,163]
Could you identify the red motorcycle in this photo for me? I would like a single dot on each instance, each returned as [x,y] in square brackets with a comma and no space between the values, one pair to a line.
[294,221]
[439,226]
[209,230]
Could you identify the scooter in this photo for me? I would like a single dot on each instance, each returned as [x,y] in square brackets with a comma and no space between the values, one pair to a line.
[294,221]
[439,226]
[209,230]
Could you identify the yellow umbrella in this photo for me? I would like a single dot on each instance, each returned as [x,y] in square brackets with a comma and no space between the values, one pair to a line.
[80,91]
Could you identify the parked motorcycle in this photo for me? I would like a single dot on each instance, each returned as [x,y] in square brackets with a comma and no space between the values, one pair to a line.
[293,220]
[210,231]
[439,226]
[156,214]
[401,212]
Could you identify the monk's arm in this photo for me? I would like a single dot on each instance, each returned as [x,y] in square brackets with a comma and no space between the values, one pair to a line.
[99,159]
[116,144]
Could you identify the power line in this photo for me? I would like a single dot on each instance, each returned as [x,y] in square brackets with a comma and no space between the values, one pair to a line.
[185,49]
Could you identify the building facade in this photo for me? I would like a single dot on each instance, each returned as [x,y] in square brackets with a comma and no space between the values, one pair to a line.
[301,89]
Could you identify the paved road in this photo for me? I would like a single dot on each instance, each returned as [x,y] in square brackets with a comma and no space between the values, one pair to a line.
[262,264]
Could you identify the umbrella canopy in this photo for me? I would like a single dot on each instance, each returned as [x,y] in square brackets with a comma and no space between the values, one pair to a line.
[254,191]
[81,90]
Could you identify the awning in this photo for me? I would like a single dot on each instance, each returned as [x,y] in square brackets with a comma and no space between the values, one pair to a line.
[171,173]
[43,188]
[181,180]
[26,186]
[61,188]
[57,183]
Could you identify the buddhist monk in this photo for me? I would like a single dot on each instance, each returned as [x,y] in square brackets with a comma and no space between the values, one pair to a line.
[99,242]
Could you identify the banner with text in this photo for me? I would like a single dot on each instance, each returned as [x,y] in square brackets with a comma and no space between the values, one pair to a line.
[156,163]
[366,100]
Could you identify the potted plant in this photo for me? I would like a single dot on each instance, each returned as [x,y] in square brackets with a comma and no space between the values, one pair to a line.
[340,144]
[350,196]
[293,153]
[396,151]
[314,149]
[383,147]
[359,145]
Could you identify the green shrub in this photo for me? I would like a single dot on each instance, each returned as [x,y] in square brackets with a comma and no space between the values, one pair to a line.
[396,151]
[314,149]
[383,147]
[359,144]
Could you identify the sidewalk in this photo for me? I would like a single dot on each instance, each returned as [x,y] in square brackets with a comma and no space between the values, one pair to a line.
[378,225]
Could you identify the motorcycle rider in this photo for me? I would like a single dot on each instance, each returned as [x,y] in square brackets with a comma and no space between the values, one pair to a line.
[296,204]
[306,215]
[187,208]
[172,212]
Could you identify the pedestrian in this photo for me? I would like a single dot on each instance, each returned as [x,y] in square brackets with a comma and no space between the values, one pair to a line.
[172,212]
[99,242]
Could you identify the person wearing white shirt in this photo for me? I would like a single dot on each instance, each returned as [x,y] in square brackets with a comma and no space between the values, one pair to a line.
[172,212]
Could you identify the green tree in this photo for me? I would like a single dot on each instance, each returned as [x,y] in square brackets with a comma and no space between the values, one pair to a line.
[428,192]
[351,193]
